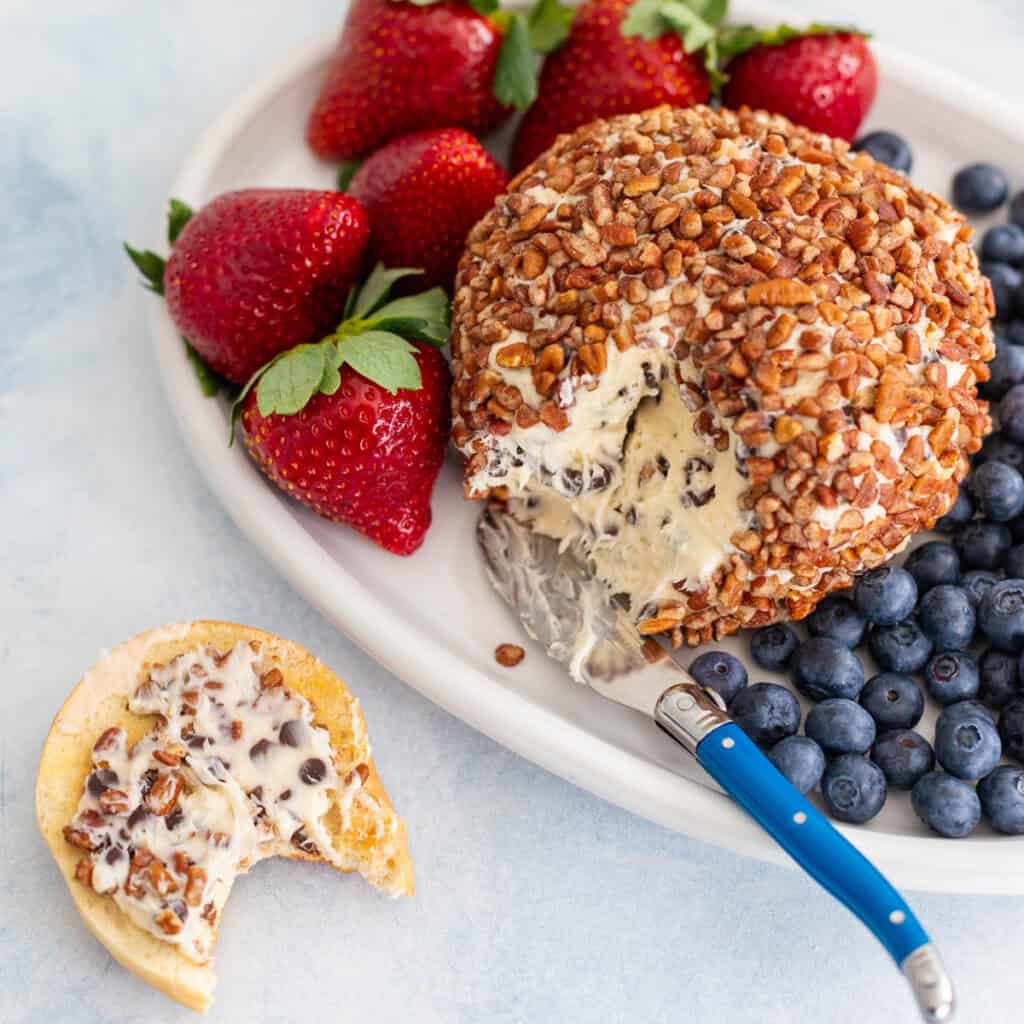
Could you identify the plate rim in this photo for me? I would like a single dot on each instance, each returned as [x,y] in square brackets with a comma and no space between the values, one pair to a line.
[983,865]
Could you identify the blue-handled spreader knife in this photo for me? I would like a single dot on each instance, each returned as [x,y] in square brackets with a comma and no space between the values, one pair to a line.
[564,607]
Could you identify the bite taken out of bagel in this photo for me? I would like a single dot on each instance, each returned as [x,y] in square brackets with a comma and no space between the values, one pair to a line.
[182,758]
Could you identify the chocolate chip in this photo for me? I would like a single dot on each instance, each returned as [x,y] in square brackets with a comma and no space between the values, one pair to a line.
[695,465]
[138,816]
[312,771]
[114,854]
[147,780]
[662,464]
[101,779]
[179,907]
[293,733]
[259,749]
[631,517]
[572,482]
[175,818]
[198,742]
[302,842]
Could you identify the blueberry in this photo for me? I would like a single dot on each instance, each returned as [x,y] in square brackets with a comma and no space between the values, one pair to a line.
[946,805]
[823,667]
[967,743]
[1013,562]
[885,595]
[773,646]
[1001,615]
[1015,332]
[894,701]
[1004,243]
[1002,799]
[720,671]
[904,756]
[997,448]
[979,188]
[887,148]
[1011,414]
[837,618]
[999,674]
[840,726]
[766,712]
[947,617]
[998,491]
[853,788]
[961,511]
[931,564]
[1011,728]
[801,761]
[1005,371]
[981,545]
[952,676]
[1017,208]
[1005,282]
[977,583]
[900,648]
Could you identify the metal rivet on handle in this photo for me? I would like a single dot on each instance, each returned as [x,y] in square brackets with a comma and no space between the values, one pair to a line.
[728,743]
[684,702]
[897,917]
[799,817]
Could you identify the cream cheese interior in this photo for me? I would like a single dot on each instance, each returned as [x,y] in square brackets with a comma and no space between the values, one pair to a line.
[632,481]
[235,771]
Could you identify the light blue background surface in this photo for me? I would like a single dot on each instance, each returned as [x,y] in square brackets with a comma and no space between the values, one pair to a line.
[537,903]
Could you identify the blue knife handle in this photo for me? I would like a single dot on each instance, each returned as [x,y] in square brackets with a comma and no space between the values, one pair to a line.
[696,719]
[738,766]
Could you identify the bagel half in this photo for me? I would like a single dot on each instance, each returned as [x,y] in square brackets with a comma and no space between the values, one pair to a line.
[370,838]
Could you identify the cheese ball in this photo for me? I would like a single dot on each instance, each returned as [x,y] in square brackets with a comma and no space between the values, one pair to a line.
[732,361]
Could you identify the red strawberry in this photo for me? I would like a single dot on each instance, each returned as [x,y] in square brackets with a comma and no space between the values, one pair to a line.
[356,426]
[826,81]
[259,271]
[600,71]
[400,67]
[361,456]
[424,192]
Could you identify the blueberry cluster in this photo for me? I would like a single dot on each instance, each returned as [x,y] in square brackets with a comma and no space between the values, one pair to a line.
[960,629]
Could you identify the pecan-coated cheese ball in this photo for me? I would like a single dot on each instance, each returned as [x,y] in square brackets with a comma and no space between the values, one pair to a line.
[733,361]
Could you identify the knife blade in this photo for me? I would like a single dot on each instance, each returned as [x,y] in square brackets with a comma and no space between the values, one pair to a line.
[565,607]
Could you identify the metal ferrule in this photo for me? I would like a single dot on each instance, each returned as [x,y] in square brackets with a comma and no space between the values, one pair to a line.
[688,713]
[931,985]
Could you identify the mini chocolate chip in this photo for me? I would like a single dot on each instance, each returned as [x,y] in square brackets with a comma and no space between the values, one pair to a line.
[663,465]
[174,819]
[631,517]
[285,794]
[138,816]
[532,502]
[256,792]
[147,780]
[198,742]
[312,771]
[302,842]
[695,465]
[293,733]
[572,482]
[114,854]
[179,908]
[101,779]
[259,749]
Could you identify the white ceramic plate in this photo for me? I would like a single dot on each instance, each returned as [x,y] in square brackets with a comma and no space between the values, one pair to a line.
[432,620]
